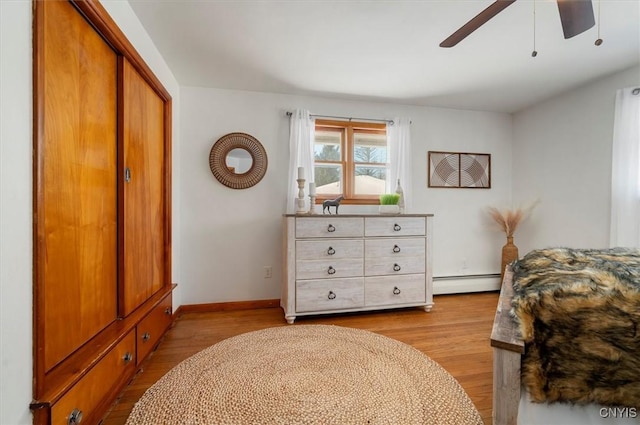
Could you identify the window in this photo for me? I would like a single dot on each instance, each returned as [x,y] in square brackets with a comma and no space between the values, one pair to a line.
[350,160]
[625,166]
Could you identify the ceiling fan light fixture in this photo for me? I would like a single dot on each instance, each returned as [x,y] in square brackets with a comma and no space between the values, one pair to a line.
[599,40]
[576,16]
[535,52]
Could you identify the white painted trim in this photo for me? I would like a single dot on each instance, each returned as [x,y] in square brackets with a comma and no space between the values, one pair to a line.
[461,284]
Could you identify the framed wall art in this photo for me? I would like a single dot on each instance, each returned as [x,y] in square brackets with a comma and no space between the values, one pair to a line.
[459,170]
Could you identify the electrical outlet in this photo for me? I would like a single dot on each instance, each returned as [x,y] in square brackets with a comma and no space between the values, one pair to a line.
[268,272]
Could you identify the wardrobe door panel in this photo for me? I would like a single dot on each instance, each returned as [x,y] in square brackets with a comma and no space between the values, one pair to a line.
[76,197]
[144,205]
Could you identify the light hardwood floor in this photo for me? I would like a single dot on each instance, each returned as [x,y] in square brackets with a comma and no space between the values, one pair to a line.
[455,334]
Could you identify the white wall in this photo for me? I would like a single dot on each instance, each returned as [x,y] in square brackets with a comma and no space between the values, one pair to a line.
[562,156]
[230,235]
[16,192]
[15,212]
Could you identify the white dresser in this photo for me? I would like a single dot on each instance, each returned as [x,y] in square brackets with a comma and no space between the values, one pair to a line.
[345,263]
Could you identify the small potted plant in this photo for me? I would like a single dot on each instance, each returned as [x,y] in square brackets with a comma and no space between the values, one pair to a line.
[389,203]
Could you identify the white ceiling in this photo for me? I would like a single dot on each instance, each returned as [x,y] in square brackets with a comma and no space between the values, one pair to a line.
[388,50]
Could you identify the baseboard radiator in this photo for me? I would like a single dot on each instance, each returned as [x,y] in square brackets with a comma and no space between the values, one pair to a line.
[466,283]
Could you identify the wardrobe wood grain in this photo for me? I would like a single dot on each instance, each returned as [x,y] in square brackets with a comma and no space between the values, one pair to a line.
[143,190]
[76,208]
[96,105]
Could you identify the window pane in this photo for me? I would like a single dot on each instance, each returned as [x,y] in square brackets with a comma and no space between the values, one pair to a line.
[370,179]
[328,179]
[370,148]
[327,145]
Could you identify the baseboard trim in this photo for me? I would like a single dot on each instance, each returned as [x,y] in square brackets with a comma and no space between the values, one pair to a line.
[227,306]
[466,283]
[441,285]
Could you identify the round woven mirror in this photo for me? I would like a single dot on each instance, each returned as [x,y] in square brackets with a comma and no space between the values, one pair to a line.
[238,160]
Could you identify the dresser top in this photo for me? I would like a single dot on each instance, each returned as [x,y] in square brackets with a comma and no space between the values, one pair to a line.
[356,215]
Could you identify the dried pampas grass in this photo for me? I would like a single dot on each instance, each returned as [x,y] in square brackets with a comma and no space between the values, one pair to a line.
[509,219]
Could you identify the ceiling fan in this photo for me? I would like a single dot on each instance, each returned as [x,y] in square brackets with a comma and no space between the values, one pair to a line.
[576,17]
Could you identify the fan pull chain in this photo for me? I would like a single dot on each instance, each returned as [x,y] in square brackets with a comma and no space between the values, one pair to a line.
[535,52]
[599,40]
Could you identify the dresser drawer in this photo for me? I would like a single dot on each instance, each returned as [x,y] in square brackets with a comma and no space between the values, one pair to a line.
[331,294]
[152,327]
[330,227]
[329,249]
[390,290]
[329,268]
[395,226]
[113,370]
[394,247]
[394,266]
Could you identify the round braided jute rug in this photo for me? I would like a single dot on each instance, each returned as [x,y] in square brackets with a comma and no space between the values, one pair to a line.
[306,374]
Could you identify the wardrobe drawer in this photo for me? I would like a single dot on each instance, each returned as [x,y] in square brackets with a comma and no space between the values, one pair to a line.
[329,249]
[395,226]
[152,327]
[114,369]
[329,268]
[330,294]
[394,247]
[390,290]
[334,227]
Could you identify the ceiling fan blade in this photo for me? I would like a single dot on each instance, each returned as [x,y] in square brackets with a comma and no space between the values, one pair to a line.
[576,16]
[475,23]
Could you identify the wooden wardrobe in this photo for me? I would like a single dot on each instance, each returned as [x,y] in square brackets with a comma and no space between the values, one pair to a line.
[102,211]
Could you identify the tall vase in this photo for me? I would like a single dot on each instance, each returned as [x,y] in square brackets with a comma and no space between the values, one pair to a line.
[509,255]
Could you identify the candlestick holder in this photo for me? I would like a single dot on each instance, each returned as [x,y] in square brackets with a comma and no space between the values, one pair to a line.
[300,200]
[312,204]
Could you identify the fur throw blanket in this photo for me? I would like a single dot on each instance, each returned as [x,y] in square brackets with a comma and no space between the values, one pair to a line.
[578,312]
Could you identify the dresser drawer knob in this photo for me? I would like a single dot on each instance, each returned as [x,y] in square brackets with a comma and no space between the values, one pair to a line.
[396,227]
[146,336]
[332,295]
[396,268]
[127,357]
[167,311]
[331,251]
[331,270]
[331,228]
[75,417]
[396,249]
[396,290]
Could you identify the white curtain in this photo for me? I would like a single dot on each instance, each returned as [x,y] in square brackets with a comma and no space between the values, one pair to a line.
[301,136]
[625,175]
[399,142]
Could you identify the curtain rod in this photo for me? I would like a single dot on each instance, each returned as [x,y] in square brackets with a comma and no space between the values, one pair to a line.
[346,118]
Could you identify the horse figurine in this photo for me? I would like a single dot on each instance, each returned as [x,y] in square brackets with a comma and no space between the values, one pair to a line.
[332,203]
